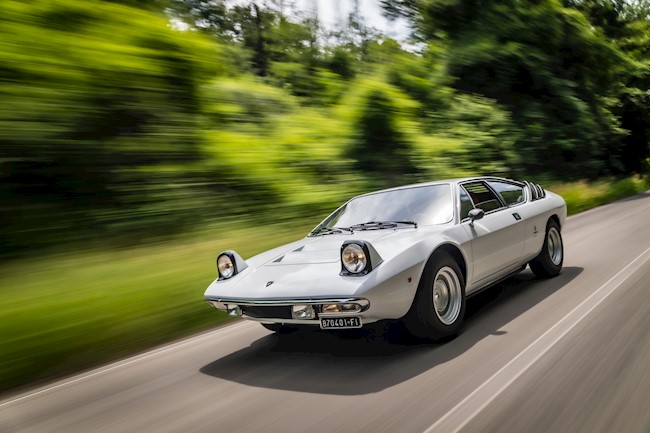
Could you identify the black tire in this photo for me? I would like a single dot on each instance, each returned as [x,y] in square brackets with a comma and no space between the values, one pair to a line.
[431,320]
[279,328]
[549,261]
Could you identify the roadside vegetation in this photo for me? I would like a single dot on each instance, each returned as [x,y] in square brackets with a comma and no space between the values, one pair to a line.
[140,138]
[581,196]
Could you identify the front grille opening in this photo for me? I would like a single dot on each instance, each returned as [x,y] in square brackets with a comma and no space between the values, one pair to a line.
[269,312]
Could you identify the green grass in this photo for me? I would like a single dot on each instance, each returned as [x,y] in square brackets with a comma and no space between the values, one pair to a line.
[74,310]
[63,313]
[580,196]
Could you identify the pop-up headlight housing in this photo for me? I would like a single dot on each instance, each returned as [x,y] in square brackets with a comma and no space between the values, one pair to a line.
[229,264]
[358,258]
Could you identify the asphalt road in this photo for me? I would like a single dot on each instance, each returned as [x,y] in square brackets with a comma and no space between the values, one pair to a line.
[570,354]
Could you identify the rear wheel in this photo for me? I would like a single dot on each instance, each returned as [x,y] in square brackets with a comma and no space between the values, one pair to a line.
[439,304]
[549,261]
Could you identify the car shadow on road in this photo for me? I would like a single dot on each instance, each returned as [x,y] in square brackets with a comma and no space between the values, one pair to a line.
[375,358]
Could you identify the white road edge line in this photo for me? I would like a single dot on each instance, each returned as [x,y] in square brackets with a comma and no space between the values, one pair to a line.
[128,361]
[461,414]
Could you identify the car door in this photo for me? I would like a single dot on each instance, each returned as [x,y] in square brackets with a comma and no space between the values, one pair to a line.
[496,239]
[513,195]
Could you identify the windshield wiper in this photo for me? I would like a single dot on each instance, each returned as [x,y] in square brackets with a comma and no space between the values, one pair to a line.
[378,225]
[330,230]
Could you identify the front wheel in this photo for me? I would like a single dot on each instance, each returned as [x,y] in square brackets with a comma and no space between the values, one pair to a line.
[549,261]
[439,304]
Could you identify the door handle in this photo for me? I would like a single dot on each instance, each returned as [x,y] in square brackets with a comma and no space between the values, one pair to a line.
[517,216]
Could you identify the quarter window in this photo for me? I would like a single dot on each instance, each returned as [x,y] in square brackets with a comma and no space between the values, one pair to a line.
[510,193]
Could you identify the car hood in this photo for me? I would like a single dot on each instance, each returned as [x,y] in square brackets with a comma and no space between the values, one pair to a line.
[327,248]
[311,267]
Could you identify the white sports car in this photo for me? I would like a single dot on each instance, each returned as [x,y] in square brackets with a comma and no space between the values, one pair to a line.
[413,253]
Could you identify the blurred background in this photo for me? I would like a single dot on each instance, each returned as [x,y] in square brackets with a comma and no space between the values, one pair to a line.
[139,138]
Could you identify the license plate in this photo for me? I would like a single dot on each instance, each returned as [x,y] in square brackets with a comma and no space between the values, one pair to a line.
[340,323]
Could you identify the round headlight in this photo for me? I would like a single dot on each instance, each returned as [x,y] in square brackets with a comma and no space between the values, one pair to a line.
[354,259]
[226,266]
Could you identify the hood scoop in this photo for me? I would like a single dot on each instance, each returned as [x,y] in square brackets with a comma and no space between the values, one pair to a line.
[301,257]
[279,259]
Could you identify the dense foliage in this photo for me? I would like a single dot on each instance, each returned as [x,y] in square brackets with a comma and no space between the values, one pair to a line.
[100,109]
[132,119]
[574,76]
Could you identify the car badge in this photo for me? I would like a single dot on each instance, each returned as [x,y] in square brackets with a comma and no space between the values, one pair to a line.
[268,283]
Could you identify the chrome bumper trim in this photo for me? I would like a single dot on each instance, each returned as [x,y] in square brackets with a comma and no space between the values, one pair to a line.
[363,302]
[314,322]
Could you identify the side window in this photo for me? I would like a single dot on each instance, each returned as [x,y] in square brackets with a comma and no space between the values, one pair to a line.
[482,196]
[510,193]
[465,204]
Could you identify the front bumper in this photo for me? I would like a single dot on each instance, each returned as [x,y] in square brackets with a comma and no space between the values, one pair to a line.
[280,310]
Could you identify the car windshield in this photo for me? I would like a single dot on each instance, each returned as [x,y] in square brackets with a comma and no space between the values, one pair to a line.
[423,205]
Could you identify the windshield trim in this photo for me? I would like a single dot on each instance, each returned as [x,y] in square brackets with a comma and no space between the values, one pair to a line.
[398,188]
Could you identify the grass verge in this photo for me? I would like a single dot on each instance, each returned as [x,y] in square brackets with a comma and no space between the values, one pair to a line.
[581,196]
[68,312]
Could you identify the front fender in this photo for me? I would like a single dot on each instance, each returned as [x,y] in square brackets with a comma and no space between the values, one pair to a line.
[391,287]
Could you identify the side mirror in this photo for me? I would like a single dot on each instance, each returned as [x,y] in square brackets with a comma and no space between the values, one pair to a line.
[475,214]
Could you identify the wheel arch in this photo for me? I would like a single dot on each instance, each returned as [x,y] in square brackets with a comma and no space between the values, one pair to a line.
[456,254]
[555,218]
[423,319]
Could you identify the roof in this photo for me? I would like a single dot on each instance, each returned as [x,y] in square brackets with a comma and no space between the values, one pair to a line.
[437,182]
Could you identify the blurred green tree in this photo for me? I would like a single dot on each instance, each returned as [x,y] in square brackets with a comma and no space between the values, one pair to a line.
[100,101]
[263,30]
[555,72]
[634,106]
[381,148]
[627,25]
[488,134]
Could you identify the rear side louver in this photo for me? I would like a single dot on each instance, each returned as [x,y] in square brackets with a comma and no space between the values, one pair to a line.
[536,191]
